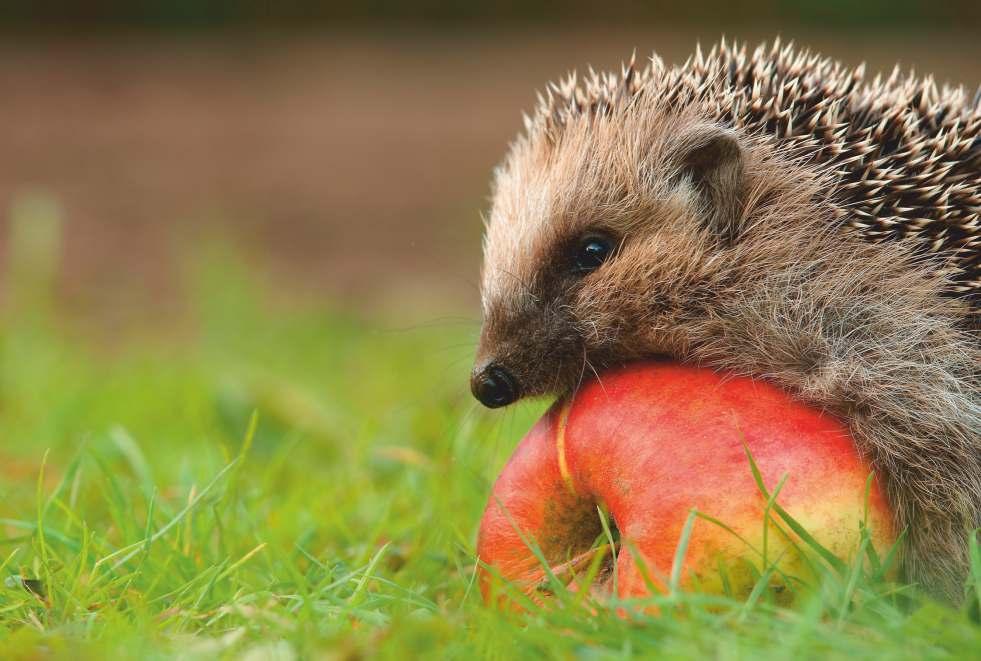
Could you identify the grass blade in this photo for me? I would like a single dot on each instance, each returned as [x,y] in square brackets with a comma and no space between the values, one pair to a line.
[680,551]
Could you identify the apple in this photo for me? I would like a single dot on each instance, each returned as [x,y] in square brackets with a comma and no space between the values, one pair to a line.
[649,443]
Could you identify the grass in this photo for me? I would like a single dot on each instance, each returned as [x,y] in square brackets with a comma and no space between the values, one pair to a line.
[291,482]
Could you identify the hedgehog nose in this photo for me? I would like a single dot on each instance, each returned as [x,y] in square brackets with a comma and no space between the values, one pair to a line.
[493,386]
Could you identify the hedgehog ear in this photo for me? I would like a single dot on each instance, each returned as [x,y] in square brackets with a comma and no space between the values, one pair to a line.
[711,158]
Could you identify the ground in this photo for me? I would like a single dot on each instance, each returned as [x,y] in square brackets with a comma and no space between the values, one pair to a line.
[290,482]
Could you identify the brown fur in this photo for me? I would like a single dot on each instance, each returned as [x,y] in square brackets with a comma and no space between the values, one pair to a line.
[734,253]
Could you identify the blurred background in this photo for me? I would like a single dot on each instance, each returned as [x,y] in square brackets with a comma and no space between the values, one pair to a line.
[343,147]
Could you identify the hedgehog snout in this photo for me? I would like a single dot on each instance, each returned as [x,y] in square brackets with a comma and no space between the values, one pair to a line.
[526,348]
[493,385]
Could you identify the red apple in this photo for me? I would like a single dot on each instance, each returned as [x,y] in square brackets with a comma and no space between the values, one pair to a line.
[652,441]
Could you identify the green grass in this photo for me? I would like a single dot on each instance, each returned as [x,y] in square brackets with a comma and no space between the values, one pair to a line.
[289,482]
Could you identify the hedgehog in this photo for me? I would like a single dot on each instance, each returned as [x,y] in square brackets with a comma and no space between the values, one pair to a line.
[773,214]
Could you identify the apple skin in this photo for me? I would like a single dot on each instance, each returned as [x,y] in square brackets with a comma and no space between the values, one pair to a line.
[651,441]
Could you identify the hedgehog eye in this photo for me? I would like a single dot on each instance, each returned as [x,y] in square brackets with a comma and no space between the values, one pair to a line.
[592,251]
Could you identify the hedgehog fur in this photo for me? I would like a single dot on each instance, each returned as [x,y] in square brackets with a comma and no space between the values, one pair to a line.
[906,154]
[773,215]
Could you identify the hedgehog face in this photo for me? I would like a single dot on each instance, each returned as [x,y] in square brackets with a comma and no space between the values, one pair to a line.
[587,235]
